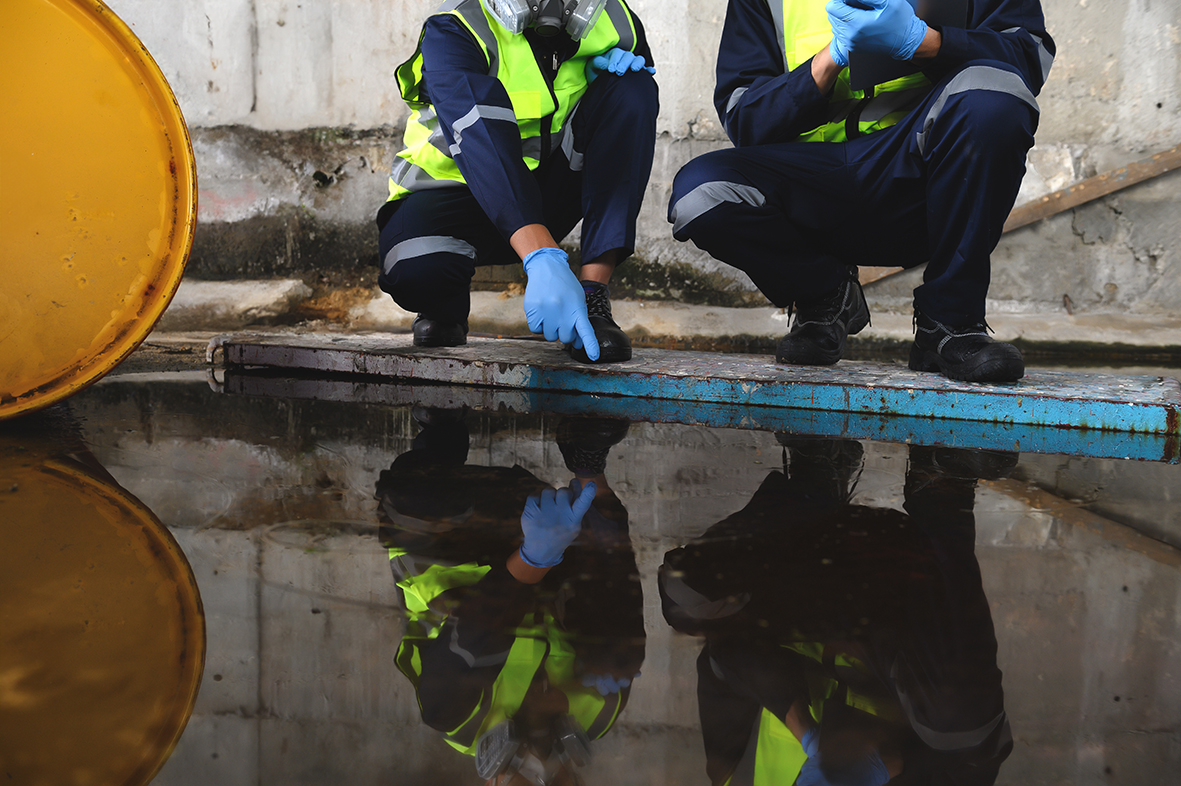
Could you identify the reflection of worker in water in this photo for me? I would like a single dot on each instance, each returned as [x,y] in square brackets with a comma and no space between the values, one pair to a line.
[843,643]
[524,611]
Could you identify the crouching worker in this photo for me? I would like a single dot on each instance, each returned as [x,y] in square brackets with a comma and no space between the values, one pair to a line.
[922,168]
[526,117]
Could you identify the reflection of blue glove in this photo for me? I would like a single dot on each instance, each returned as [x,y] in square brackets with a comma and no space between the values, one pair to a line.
[551,522]
[555,304]
[886,26]
[869,771]
[617,61]
[607,684]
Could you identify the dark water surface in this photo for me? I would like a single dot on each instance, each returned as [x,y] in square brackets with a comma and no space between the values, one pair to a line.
[931,614]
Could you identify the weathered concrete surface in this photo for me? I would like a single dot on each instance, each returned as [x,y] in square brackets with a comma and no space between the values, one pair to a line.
[1143,405]
[270,498]
[280,95]
[198,304]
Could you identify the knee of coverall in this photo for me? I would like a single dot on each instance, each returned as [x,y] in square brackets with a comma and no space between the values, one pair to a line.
[628,100]
[435,284]
[702,185]
[985,108]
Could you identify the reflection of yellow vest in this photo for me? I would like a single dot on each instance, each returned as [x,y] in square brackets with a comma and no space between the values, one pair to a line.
[536,644]
[805,31]
[426,160]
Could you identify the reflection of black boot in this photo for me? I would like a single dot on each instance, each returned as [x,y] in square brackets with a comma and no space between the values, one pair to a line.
[941,482]
[585,443]
[829,467]
[963,463]
[444,435]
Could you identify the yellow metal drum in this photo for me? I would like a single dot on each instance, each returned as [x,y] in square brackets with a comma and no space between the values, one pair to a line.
[102,643]
[98,198]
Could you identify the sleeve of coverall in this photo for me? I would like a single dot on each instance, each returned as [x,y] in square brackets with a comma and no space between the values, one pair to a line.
[757,102]
[641,48]
[487,149]
[1011,31]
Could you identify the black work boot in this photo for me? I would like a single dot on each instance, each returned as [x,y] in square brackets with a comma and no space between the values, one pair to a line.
[614,345]
[438,332]
[817,337]
[966,353]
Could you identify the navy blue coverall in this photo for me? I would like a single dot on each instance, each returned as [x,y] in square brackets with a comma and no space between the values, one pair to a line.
[935,188]
[614,129]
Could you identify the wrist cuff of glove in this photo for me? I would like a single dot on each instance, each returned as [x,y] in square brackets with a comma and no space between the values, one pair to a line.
[914,39]
[537,563]
[544,253]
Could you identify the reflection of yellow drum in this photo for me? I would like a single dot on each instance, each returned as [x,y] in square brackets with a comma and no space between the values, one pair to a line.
[98,198]
[102,636]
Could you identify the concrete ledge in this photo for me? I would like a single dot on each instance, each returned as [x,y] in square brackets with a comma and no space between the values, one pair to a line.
[501,313]
[844,425]
[1147,405]
[229,305]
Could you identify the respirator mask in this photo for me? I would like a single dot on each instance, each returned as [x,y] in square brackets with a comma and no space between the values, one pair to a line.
[548,17]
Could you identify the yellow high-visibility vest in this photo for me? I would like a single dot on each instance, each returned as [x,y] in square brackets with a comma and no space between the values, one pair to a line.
[426,161]
[805,30]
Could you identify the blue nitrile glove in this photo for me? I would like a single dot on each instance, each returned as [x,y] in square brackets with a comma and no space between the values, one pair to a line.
[886,26]
[617,61]
[555,304]
[607,684]
[551,522]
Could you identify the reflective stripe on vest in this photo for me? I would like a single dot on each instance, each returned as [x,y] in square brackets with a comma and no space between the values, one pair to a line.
[805,30]
[423,579]
[534,644]
[427,162]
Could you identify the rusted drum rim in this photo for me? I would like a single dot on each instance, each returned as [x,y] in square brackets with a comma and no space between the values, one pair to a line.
[103,646]
[99,201]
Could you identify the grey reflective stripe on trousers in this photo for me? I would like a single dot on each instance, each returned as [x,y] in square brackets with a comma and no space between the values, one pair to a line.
[473,13]
[1046,60]
[988,78]
[776,9]
[478,112]
[618,16]
[427,244]
[707,196]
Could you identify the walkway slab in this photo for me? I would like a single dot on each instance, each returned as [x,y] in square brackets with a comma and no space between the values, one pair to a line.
[271,383]
[1094,402]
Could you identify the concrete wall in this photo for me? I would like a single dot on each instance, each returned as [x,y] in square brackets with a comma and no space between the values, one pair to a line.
[295,117]
[271,500]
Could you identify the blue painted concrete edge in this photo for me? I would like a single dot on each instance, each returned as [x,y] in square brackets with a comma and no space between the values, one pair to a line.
[923,431]
[1078,401]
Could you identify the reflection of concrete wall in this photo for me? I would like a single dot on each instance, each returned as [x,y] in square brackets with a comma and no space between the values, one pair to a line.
[299,685]
[277,91]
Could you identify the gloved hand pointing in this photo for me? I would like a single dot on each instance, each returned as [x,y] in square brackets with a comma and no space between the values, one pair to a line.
[551,522]
[617,61]
[555,304]
[886,26]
